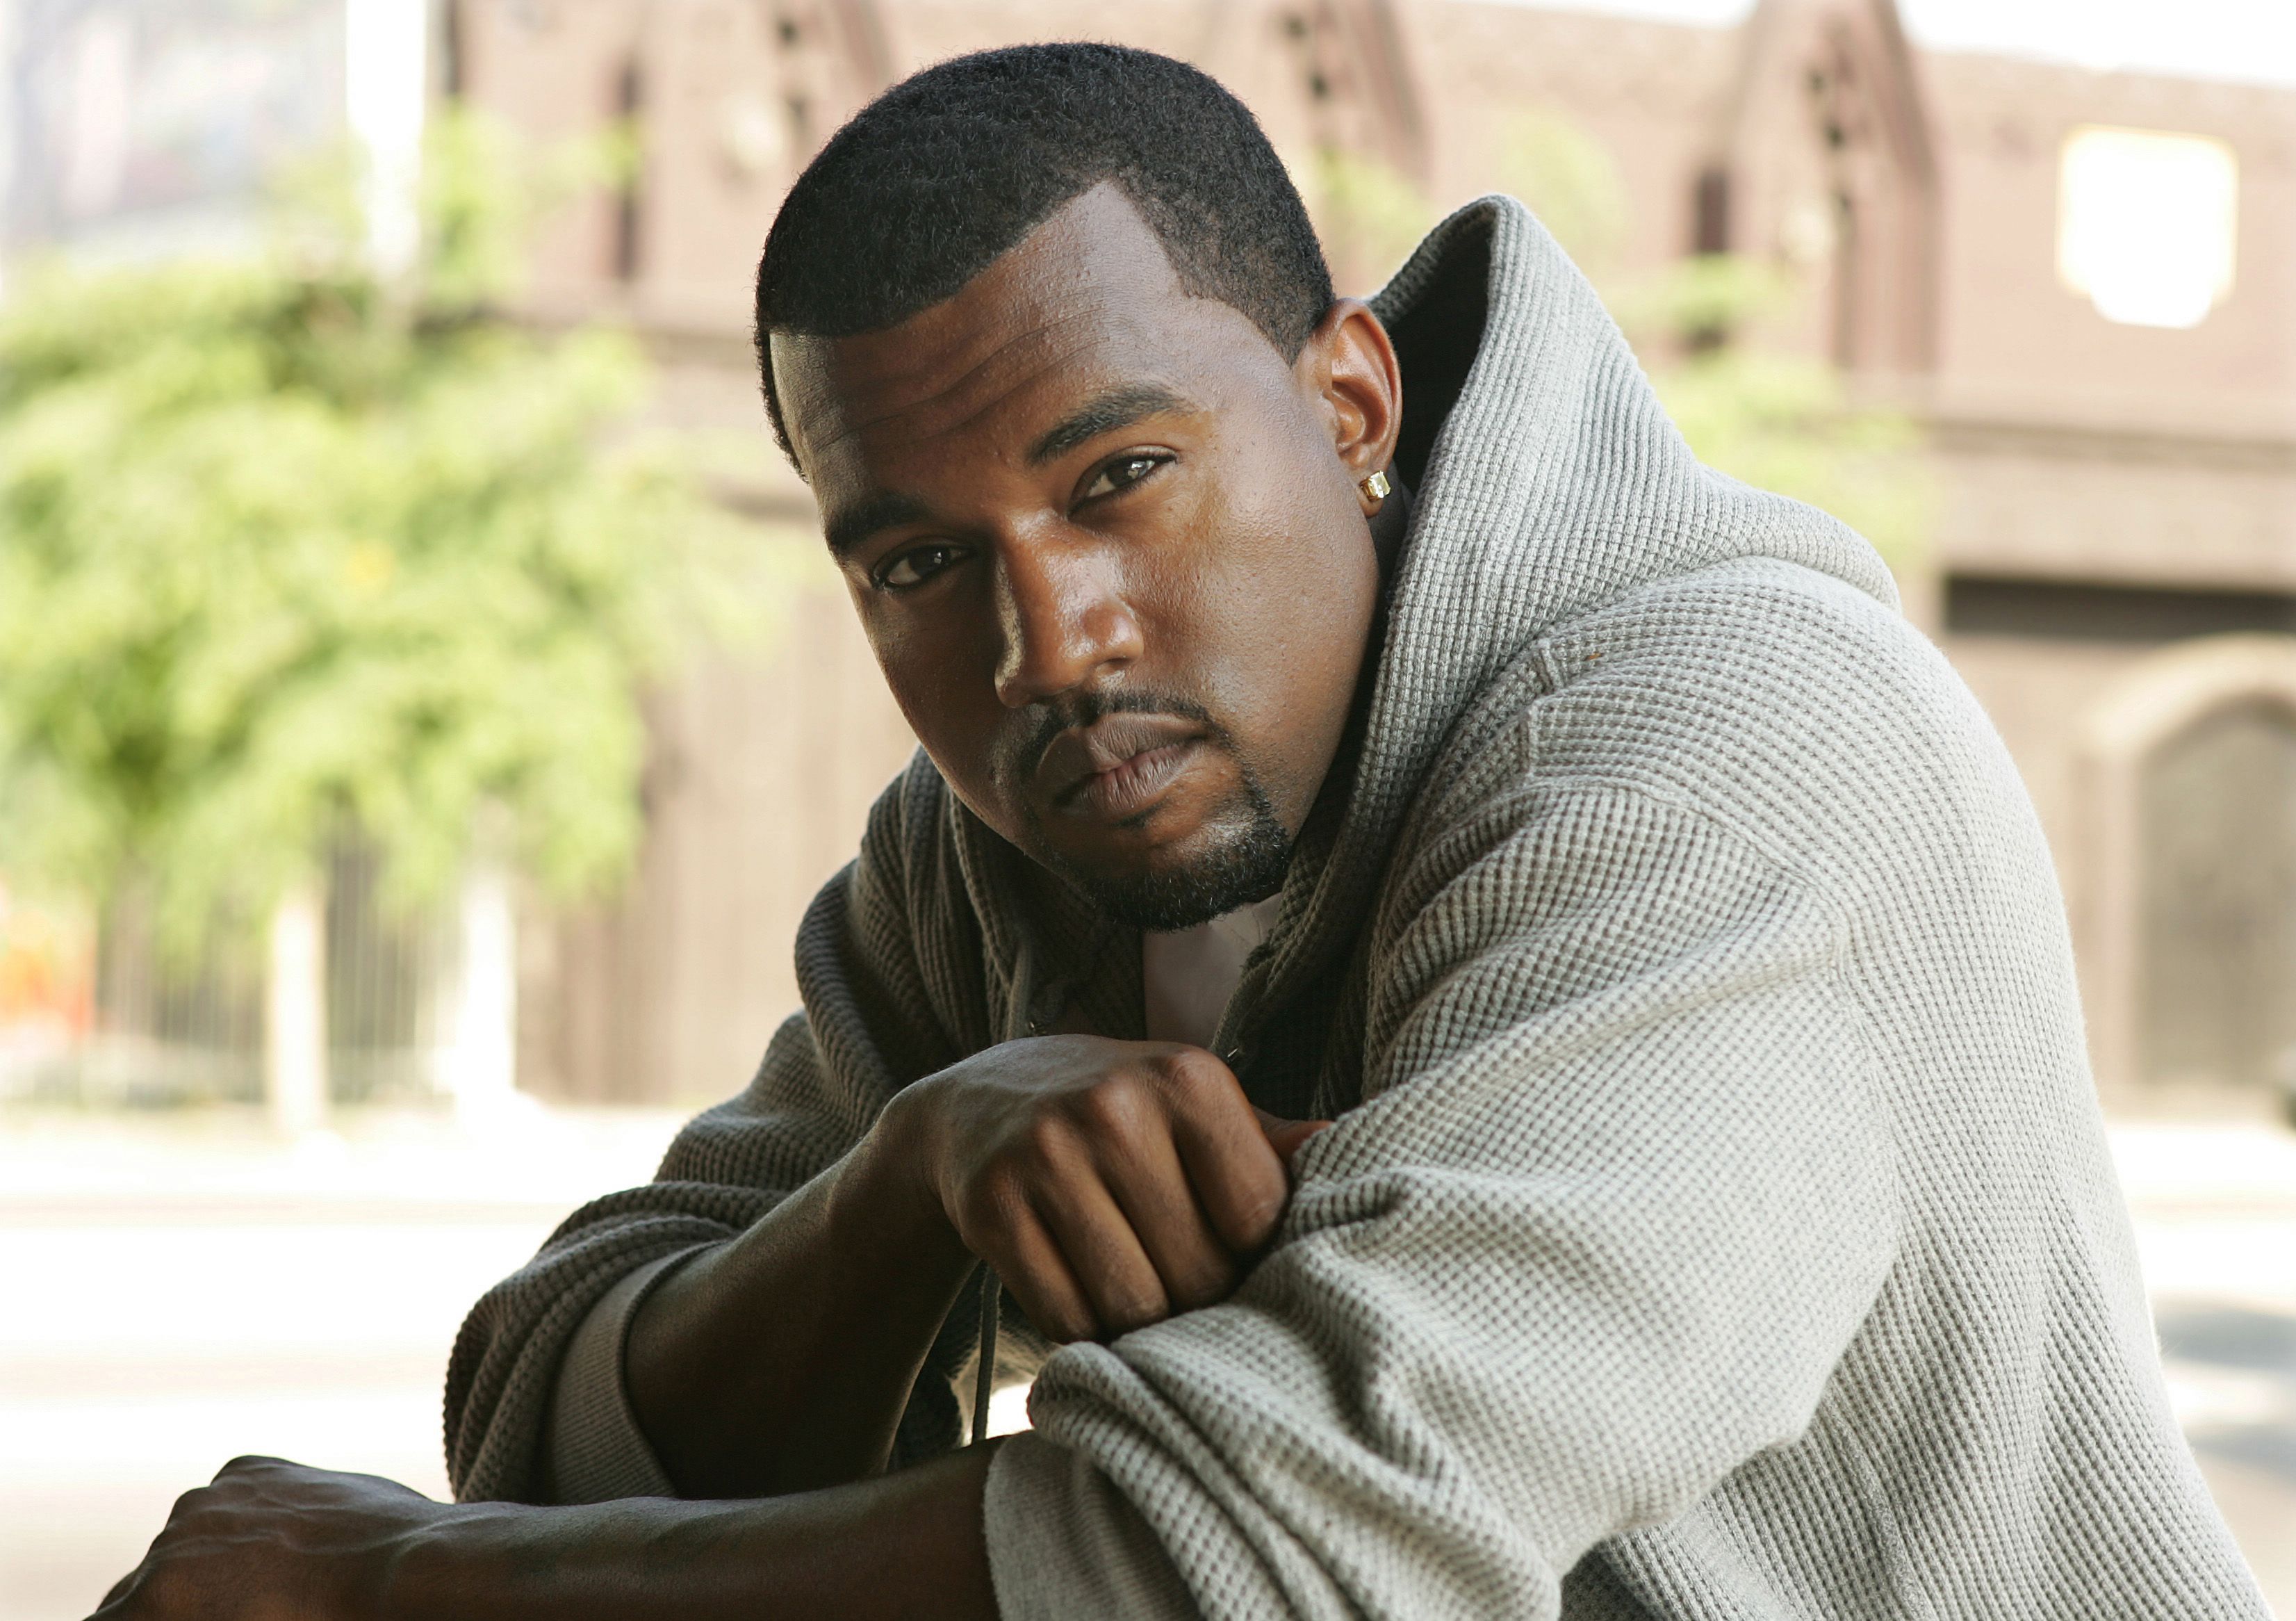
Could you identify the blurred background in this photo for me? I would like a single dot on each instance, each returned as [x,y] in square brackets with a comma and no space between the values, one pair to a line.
[424,714]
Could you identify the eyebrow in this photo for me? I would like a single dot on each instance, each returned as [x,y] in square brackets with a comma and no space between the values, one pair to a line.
[849,528]
[1118,407]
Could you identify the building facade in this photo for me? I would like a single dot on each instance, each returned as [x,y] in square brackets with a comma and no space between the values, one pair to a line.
[2078,283]
[2113,560]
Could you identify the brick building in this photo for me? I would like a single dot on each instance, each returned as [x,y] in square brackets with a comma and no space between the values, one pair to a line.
[2078,282]
[2113,566]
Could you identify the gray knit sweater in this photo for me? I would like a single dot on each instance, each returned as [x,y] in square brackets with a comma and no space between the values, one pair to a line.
[1718,1220]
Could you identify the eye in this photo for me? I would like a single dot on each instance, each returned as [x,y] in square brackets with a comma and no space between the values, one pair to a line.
[1122,474]
[916,565]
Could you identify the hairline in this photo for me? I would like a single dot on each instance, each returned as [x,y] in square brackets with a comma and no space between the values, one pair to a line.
[764,334]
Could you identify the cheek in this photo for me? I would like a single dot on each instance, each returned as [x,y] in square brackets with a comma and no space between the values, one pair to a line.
[954,715]
[1290,582]
[1271,613]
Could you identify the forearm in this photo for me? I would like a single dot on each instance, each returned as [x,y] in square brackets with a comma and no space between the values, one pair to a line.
[1111,1183]
[780,1361]
[906,1544]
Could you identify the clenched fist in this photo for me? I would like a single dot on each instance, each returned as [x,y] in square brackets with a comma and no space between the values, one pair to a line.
[1109,1183]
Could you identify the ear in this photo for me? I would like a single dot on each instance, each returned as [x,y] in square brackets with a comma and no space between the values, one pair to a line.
[1348,365]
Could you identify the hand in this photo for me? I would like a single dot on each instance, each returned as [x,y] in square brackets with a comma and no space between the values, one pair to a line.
[1109,1183]
[273,1539]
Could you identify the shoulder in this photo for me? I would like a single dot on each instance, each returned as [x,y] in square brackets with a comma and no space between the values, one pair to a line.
[1786,705]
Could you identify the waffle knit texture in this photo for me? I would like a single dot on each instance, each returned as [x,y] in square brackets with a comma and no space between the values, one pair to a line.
[1718,1221]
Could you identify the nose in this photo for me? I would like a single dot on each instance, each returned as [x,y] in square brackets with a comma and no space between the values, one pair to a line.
[1063,616]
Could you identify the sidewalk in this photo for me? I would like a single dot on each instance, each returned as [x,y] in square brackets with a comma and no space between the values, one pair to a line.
[221,1294]
[2216,1227]
[201,1292]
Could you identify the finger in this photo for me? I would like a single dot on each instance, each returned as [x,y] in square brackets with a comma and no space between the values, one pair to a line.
[1102,1252]
[1234,1172]
[1151,1186]
[1033,1268]
[1288,1137]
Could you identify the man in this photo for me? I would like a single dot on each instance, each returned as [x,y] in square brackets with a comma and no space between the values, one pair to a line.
[1716,1219]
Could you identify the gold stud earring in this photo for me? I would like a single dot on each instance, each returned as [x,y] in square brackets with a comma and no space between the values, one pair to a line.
[1376,487]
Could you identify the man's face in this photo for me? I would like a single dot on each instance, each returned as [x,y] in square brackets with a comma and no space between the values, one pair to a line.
[1110,551]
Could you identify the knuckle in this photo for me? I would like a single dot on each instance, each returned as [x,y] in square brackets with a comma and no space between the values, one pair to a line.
[989,1209]
[1117,1107]
[1196,1076]
[1045,1141]
[984,1198]
[1008,1206]
[1185,1067]
[1253,1212]
[1262,1211]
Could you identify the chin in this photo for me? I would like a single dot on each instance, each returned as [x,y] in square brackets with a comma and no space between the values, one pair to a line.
[1231,862]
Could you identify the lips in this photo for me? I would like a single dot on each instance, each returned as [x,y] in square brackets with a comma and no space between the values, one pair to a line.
[1120,765]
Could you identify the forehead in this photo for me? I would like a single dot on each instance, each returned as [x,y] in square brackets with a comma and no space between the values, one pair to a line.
[1086,301]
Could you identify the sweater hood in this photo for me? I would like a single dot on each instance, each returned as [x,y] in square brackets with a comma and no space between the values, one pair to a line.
[1548,481]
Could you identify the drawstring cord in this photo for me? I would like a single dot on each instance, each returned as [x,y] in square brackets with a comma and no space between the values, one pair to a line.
[984,1381]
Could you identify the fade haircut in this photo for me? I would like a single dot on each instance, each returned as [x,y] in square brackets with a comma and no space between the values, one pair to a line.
[950,167]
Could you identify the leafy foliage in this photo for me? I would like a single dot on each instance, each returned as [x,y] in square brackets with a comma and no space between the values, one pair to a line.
[287,548]
[1369,214]
[1570,181]
[1781,422]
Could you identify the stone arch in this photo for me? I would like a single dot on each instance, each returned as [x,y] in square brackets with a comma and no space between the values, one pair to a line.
[1823,155]
[2186,769]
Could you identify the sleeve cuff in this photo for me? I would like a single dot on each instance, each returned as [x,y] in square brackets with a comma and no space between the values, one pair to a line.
[1063,1541]
[593,1449]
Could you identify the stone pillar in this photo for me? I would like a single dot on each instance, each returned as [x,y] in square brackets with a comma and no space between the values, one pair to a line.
[482,1055]
[295,1012]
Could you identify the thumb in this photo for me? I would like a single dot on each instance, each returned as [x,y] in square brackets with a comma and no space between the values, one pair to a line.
[1287,1137]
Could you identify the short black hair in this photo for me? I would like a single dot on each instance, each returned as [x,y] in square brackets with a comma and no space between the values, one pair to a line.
[944,172]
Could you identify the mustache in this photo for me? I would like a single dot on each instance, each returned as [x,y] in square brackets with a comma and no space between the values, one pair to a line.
[1057,715]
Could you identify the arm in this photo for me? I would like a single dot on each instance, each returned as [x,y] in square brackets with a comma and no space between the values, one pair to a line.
[1616,1205]
[1052,1155]
[782,1360]
[1617,1200]
[270,1538]
[815,1216]
[1109,1183]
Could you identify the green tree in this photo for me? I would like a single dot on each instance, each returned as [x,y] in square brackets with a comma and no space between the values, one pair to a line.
[1369,214]
[1781,421]
[1570,181]
[290,548]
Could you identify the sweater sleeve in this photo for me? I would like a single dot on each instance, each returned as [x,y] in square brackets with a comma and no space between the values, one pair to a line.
[1615,1204]
[870,1026]
[593,1448]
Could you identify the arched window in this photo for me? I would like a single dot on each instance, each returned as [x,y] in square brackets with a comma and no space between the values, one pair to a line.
[2216,848]
[2148,224]
[2183,877]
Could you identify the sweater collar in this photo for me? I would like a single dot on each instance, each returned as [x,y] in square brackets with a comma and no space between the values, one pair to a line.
[1548,479]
